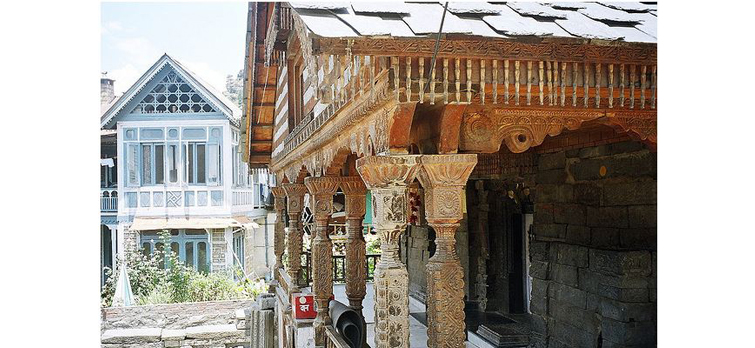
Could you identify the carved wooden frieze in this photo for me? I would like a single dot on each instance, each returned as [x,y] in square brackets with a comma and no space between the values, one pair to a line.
[495,48]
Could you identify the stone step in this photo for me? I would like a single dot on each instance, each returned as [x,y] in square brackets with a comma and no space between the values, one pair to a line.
[214,332]
[130,336]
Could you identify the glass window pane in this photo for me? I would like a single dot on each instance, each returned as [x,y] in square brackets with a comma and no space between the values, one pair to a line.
[146,164]
[146,249]
[213,176]
[159,164]
[189,260]
[202,257]
[190,163]
[174,248]
[201,178]
[172,164]
[194,232]
[132,158]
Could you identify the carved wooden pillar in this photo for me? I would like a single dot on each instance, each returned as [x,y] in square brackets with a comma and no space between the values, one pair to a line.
[355,192]
[481,285]
[279,238]
[322,190]
[443,178]
[295,194]
[387,178]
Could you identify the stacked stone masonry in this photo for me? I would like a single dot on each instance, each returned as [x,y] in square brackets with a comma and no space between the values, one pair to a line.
[593,248]
[197,325]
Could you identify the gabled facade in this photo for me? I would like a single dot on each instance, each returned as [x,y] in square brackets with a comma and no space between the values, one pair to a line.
[179,168]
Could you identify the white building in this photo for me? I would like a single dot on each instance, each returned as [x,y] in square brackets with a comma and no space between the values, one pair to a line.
[170,160]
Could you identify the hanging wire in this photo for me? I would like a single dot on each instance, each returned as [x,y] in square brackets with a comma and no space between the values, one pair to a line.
[437,44]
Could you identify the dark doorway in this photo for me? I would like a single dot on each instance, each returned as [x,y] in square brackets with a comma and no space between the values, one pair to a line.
[517,271]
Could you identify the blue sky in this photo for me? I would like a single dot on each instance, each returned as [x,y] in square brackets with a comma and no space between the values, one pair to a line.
[206,37]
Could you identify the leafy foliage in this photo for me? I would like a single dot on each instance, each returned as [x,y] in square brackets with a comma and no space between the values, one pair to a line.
[163,278]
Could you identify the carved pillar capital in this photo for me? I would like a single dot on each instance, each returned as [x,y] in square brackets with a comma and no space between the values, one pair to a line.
[295,194]
[443,177]
[322,190]
[279,195]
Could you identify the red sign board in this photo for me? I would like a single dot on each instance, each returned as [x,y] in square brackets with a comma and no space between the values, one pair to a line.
[304,306]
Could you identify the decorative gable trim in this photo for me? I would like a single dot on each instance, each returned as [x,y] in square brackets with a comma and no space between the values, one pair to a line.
[217,104]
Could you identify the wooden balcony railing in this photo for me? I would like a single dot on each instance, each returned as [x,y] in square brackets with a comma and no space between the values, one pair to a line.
[109,204]
[339,267]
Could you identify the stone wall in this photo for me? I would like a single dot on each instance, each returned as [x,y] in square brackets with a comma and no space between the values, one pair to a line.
[199,324]
[593,253]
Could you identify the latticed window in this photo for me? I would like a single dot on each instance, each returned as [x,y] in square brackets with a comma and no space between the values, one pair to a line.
[172,95]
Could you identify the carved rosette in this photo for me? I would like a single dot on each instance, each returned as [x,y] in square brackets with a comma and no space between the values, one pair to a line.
[387,177]
[355,192]
[322,190]
[295,194]
[444,177]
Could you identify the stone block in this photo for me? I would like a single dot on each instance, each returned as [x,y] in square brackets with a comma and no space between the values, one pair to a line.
[590,281]
[568,254]
[551,161]
[551,193]
[607,217]
[630,193]
[554,176]
[638,333]
[592,302]
[539,251]
[539,270]
[213,332]
[173,334]
[540,287]
[565,274]
[539,305]
[593,151]
[266,301]
[642,216]
[637,164]
[633,295]
[571,153]
[587,193]
[638,238]
[624,147]
[131,336]
[630,263]
[605,237]
[543,213]
[626,312]
[565,294]
[577,234]
[569,214]
[587,169]
[550,232]
[574,335]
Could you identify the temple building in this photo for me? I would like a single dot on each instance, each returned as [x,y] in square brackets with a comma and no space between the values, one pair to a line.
[170,160]
[505,154]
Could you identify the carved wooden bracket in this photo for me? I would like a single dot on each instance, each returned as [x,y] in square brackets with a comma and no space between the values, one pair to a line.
[484,129]
[450,123]
[355,192]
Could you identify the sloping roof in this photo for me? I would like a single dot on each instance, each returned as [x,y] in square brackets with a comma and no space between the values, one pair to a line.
[625,21]
[225,106]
